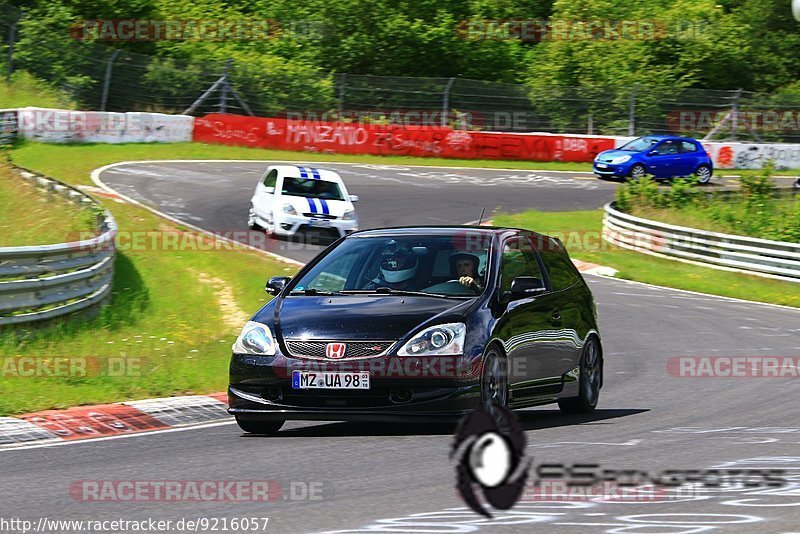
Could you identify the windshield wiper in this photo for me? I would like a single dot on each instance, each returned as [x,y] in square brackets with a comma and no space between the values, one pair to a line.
[402,292]
[313,292]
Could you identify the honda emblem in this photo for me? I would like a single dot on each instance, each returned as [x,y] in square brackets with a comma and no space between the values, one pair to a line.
[335,351]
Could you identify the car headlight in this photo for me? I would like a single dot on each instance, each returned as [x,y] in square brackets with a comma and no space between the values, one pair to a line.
[255,338]
[288,208]
[349,215]
[439,339]
[620,159]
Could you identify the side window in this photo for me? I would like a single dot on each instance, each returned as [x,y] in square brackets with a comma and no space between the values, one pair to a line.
[686,146]
[271,178]
[518,260]
[667,148]
[561,271]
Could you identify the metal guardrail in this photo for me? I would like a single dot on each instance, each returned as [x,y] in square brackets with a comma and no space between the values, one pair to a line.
[47,281]
[762,257]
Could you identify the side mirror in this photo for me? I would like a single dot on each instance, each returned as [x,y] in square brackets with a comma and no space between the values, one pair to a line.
[526,286]
[276,284]
[653,153]
[353,198]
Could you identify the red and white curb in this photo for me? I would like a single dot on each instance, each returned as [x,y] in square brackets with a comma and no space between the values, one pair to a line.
[593,268]
[105,420]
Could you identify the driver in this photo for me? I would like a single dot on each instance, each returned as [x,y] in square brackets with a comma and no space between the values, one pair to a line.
[396,271]
[464,266]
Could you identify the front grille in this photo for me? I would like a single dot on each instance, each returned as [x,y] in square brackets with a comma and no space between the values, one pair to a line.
[320,215]
[353,349]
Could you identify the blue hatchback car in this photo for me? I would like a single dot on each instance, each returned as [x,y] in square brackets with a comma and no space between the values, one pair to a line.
[661,156]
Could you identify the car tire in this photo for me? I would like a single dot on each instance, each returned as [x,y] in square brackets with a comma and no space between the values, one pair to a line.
[259,427]
[703,174]
[590,381]
[494,383]
[637,172]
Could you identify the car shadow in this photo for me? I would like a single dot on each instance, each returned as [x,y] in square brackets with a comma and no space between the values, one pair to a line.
[529,420]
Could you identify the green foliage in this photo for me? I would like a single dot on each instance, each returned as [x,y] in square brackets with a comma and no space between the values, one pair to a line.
[683,193]
[755,211]
[670,48]
[641,194]
[749,44]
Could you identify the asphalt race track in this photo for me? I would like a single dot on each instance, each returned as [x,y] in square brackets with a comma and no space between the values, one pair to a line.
[394,478]
[216,196]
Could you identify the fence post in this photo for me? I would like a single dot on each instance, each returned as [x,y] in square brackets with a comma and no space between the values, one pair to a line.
[590,124]
[632,112]
[446,101]
[12,36]
[223,90]
[340,97]
[735,113]
[107,78]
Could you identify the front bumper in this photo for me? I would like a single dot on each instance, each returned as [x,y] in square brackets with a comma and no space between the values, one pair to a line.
[290,224]
[401,388]
[608,169]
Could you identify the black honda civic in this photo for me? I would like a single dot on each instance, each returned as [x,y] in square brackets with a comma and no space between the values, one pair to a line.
[420,324]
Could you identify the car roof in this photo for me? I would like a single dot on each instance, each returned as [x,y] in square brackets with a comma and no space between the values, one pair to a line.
[443,230]
[662,137]
[302,171]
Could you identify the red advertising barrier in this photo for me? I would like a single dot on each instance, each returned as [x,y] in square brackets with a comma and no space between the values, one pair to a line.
[396,140]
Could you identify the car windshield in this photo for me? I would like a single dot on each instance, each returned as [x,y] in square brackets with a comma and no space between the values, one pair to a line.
[639,145]
[436,265]
[310,188]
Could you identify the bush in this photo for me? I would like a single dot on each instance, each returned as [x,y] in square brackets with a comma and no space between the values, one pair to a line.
[755,211]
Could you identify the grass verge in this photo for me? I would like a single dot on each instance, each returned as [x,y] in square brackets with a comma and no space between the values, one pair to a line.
[25,90]
[581,230]
[173,318]
[31,217]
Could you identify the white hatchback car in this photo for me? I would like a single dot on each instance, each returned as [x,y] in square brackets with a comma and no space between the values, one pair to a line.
[288,198]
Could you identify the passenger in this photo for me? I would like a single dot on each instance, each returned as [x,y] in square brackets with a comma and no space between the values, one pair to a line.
[464,266]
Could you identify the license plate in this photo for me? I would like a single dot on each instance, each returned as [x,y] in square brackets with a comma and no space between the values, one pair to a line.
[329,380]
[602,166]
[319,222]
